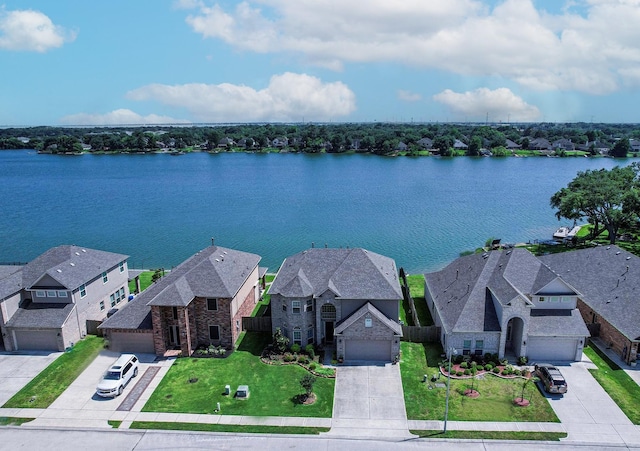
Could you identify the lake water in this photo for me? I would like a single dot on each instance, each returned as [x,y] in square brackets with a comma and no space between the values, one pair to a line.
[160,209]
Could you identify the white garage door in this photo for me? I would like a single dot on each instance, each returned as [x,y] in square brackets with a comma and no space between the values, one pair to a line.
[131,342]
[539,349]
[44,340]
[368,350]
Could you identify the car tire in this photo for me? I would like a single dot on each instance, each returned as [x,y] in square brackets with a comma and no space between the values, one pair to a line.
[119,390]
[135,372]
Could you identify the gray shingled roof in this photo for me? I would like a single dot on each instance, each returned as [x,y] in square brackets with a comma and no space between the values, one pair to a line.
[461,290]
[213,272]
[10,280]
[70,265]
[368,308]
[608,279]
[349,273]
[557,323]
[40,315]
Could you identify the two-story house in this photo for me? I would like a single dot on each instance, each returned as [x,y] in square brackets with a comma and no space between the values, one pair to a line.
[45,304]
[199,302]
[506,302]
[347,298]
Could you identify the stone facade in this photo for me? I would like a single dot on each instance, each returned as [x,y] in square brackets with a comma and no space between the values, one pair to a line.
[378,331]
[621,345]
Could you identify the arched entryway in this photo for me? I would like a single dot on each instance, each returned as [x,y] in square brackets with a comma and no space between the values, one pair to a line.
[328,317]
[513,343]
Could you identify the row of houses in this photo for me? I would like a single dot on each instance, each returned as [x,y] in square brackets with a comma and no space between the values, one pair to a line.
[507,302]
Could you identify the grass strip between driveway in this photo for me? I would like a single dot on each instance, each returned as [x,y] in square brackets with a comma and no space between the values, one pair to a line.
[14,421]
[493,435]
[624,391]
[54,379]
[247,429]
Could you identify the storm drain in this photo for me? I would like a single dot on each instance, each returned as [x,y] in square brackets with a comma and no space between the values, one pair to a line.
[138,389]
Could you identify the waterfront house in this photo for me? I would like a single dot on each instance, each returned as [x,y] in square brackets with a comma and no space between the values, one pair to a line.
[539,144]
[200,302]
[608,281]
[425,143]
[52,301]
[508,303]
[344,299]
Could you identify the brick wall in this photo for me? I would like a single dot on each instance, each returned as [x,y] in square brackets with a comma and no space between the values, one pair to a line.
[246,307]
[221,317]
[609,334]
[377,332]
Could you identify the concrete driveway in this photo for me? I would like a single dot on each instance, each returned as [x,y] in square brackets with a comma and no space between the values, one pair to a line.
[587,411]
[16,370]
[369,402]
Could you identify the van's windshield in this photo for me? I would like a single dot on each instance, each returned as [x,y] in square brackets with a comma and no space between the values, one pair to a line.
[112,375]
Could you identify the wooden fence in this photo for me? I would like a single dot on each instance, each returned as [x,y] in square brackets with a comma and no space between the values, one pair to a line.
[421,334]
[256,324]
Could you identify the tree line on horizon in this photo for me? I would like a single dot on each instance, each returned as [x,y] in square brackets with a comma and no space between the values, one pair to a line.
[376,138]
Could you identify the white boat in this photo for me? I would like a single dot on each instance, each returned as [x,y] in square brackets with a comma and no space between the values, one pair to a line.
[561,233]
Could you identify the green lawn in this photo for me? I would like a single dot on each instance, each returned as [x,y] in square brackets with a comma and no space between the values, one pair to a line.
[416,288]
[54,379]
[239,428]
[617,383]
[493,435]
[274,389]
[496,395]
[145,281]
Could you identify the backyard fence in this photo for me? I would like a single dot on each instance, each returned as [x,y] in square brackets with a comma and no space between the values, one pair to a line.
[420,334]
[407,297]
[256,324]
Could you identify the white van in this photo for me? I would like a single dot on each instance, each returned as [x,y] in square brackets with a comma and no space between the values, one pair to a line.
[118,376]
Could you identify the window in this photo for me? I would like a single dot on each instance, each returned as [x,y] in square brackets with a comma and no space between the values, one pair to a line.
[328,312]
[542,299]
[553,299]
[105,278]
[62,294]
[112,298]
[466,347]
[284,306]
[479,347]
[368,322]
[297,336]
[41,294]
[121,265]
[214,332]
[122,293]
[83,290]
[212,304]
[295,306]
[101,305]
[310,334]
[174,312]
[309,307]
[52,294]
[285,331]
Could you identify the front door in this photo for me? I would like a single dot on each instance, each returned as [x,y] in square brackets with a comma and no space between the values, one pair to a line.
[174,335]
[328,331]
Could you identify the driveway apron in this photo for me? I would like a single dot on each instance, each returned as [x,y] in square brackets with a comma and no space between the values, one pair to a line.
[369,402]
[17,370]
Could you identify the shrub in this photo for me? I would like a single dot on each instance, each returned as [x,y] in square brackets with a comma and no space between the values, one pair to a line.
[310,350]
[288,357]
[516,372]
[295,348]
[488,367]
[467,372]
[459,373]
[458,359]
[504,362]
[464,365]
[496,370]
[487,357]
[474,364]
[522,360]
[506,372]
[312,366]
[302,359]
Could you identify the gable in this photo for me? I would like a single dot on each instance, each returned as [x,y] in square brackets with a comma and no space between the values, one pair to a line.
[356,321]
[48,281]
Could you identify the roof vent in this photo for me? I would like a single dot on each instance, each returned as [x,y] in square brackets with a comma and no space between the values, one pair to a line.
[618,253]
[508,252]
[608,301]
[84,250]
[77,253]
[217,260]
[72,264]
[58,270]
[628,258]
[608,247]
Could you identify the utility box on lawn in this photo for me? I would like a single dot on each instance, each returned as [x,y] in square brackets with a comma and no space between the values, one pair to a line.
[242,392]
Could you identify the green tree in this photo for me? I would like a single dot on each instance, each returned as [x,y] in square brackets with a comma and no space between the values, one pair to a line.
[280,342]
[608,199]
[621,148]
[474,146]
[307,382]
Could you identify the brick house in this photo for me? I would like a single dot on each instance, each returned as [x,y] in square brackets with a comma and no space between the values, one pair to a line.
[46,304]
[200,302]
[508,303]
[343,298]
[608,279]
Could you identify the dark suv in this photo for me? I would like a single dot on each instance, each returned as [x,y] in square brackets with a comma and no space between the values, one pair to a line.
[551,378]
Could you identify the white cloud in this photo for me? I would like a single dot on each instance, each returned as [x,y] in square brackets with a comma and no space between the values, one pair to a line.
[118,117]
[28,30]
[589,46]
[408,96]
[500,105]
[287,97]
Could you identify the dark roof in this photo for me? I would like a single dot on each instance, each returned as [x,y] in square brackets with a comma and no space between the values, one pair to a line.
[213,272]
[10,280]
[349,273]
[608,279]
[40,315]
[461,291]
[70,265]
[368,308]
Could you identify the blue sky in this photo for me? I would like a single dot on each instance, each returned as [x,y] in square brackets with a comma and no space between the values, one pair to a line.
[73,62]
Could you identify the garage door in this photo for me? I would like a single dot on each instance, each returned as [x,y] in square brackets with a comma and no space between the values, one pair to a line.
[539,349]
[131,342]
[368,350]
[44,340]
